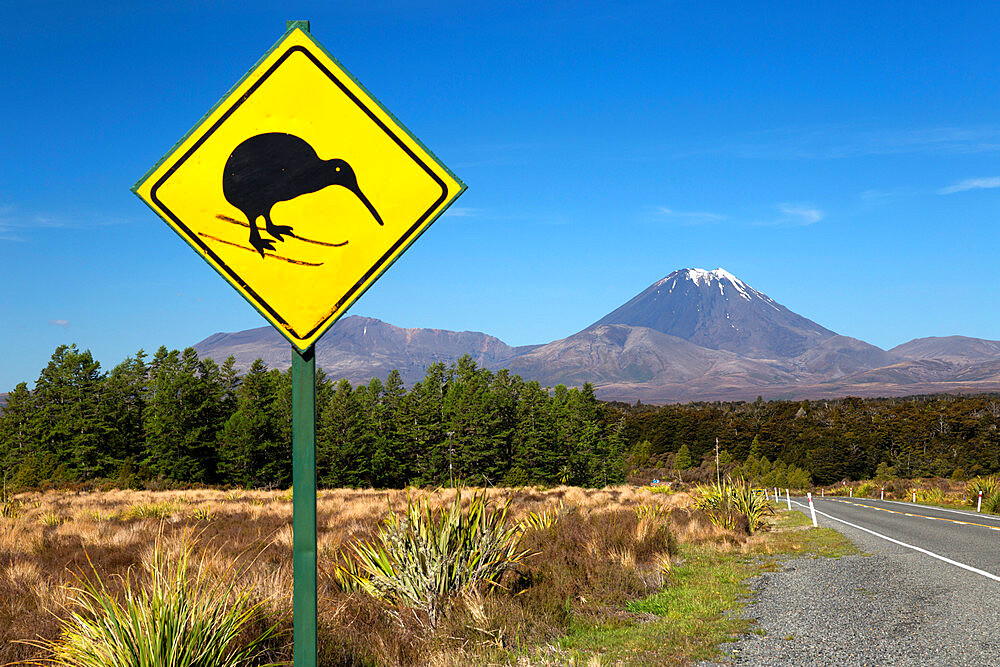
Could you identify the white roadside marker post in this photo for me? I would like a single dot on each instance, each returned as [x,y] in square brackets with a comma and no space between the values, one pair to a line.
[788,497]
[883,495]
[812,509]
[851,492]
[822,493]
[914,496]
[979,503]
[776,494]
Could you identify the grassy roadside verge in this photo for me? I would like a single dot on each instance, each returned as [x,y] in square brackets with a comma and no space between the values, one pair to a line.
[699,609]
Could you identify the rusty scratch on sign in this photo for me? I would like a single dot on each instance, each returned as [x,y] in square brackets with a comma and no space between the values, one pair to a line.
[226,218]
[243,247]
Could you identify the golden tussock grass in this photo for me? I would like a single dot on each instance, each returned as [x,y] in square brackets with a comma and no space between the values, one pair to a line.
[609,545]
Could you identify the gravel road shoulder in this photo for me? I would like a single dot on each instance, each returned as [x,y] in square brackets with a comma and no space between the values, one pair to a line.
[893,607]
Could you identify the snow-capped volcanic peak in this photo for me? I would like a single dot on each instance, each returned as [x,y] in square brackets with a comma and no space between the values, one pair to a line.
[715,309]
[718,278]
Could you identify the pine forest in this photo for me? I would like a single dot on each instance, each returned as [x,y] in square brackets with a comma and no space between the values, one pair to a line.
[177,419]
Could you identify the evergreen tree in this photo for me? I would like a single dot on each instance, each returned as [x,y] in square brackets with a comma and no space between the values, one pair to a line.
[683,459]
[184,414]
[534,456]
[476,421]
[422,428]
[253,448]
[338,457]
[68,422]
[125,391]
[19,449]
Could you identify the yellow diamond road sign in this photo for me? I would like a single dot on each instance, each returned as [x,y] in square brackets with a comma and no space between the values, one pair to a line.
[299,188]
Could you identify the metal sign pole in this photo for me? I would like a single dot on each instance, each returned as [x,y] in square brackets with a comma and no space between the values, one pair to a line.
[304,505]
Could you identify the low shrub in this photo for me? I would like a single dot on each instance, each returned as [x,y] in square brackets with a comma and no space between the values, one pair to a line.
[933,495]
[866,489]
[424,558]
[991,503]
[989,486]
[898,488]
[730,498]
[99,516]
[161,510]
[590,563]
[10,509]
[171,617]
[51,519]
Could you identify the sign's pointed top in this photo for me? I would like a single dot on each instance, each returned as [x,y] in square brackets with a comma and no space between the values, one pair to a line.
[301,25]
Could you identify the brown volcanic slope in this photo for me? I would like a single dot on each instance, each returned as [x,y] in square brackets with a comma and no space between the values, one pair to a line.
[695,335]
[360,348]
[839,356]
[617,353]
[949,348]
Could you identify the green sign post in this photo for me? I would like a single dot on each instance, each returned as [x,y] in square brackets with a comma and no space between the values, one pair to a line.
[304,503]
[247,188]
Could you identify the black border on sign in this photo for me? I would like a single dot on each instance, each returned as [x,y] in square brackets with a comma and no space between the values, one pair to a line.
[232,274]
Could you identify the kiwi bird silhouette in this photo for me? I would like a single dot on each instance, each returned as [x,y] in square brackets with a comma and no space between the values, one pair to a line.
[276,167]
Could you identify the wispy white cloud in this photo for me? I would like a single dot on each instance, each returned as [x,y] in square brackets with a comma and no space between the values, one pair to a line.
[971,184]
[14,224]
[691,217]
[793,215]
[59,323]
[6,228]
[461,212]
[819,142]
[877,197]
[789,215]
[797,214]
[47,222]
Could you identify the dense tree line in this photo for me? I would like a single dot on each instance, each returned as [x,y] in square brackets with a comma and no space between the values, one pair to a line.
[940,435]
[176,418]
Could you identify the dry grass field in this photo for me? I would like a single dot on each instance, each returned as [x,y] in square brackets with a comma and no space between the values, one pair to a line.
[608,546]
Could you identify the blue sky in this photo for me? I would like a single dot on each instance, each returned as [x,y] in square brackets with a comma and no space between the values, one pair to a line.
[844,159]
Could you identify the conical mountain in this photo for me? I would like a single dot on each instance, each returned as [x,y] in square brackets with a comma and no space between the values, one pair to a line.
[717,310]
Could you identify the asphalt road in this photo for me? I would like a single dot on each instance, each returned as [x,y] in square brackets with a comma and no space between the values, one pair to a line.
[927,592]
[966,537]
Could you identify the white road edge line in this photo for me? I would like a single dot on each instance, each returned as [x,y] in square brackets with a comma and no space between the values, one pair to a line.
[909,546]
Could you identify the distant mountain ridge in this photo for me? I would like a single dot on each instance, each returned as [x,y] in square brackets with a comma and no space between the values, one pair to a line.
[949,348]
[360,348]
[694,335]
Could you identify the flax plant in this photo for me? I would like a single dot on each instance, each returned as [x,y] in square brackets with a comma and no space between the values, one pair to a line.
[160,510]
[989,485]
[173,617]
[10,509]
[727,499]
[542,520]
[934,496]
[424,559]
